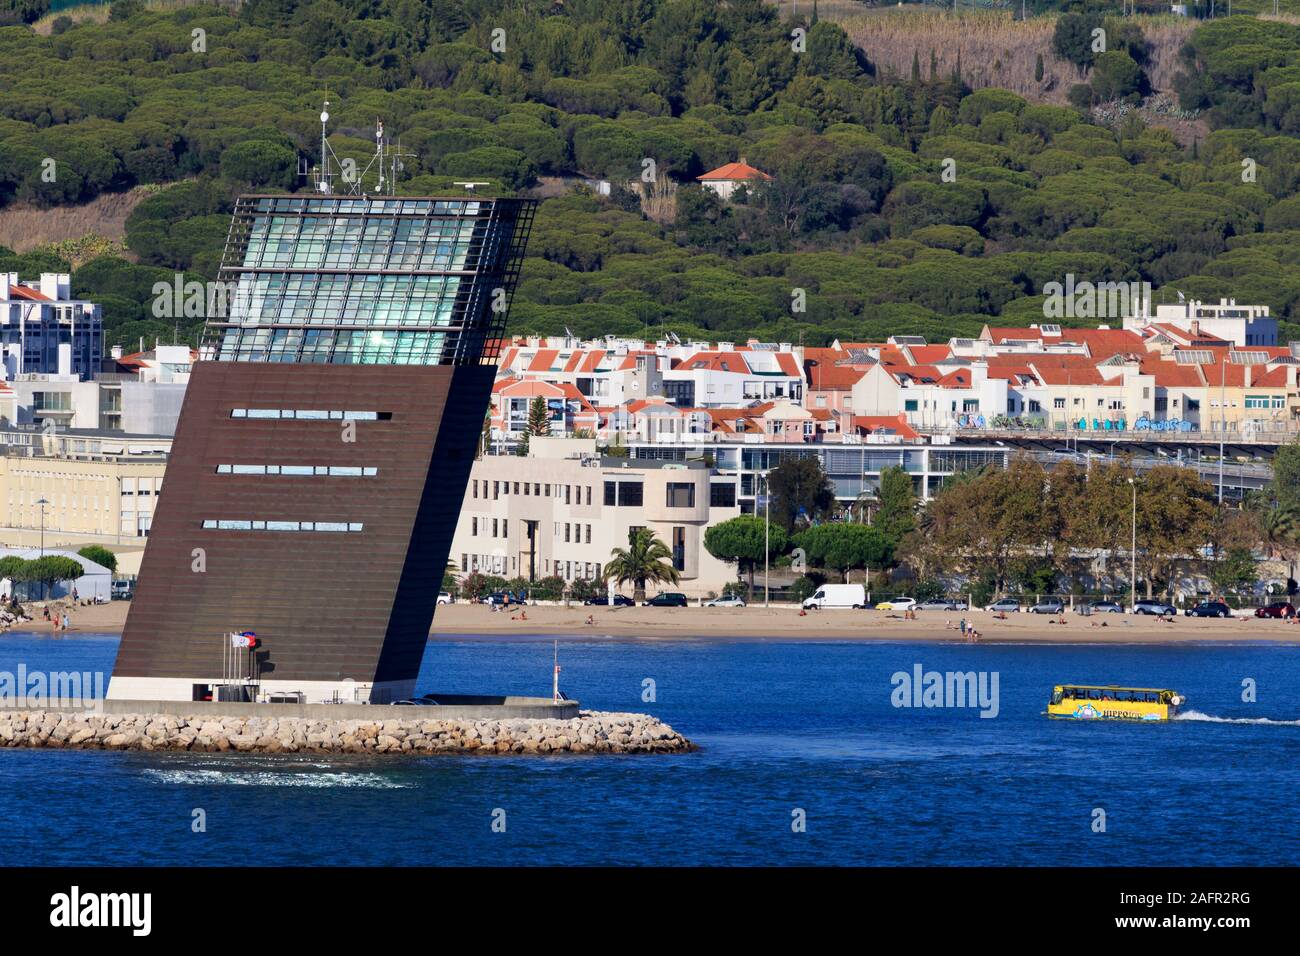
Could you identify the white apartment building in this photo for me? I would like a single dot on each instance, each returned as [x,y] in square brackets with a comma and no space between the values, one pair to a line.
[1242,325]
[561,510]
[44,330]
[612,372]
[930,396]
[145,399]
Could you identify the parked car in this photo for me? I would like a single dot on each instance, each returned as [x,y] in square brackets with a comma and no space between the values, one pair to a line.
[444,597]
[837,596]
[667,599]
[1280,609]
[726,600]
[942,604]
[506,598]
[897,604]
[121,590]
[1104,607]
[1006,605]
[603,601]
[1209,609]
[415,702]
[1048,606]
[1154,608]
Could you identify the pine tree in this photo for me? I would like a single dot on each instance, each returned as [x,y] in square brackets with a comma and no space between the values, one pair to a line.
[916,67]
[1038,69]
[539,418]
[934,65]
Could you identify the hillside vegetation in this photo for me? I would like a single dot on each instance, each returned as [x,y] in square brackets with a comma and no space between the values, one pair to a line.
[860,222]
[999,51]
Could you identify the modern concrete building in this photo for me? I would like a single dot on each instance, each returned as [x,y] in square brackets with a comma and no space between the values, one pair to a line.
[563,508]
[853,466]
[327,432]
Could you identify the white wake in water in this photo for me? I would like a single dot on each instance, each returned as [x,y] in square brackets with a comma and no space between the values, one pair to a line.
[1210,718]
[371,781]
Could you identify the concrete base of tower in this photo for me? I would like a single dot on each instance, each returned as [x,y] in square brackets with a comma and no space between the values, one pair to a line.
[210,689]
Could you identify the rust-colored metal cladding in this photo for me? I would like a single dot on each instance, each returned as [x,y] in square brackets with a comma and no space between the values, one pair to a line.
[327,606]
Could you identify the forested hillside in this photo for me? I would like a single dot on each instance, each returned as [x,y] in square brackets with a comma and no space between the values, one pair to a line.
[207,102]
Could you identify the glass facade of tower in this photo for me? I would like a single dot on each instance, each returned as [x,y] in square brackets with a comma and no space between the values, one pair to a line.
[352,280]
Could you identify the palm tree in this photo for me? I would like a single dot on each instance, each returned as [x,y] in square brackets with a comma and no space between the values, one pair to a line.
[645,558]
[1282,535]
[864,505]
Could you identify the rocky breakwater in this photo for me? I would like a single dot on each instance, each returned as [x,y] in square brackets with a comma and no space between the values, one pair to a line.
[590,732]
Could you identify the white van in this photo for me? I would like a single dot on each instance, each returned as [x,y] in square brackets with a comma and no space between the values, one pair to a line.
[838,596]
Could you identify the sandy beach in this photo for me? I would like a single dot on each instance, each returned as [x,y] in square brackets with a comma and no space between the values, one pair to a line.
[785,623]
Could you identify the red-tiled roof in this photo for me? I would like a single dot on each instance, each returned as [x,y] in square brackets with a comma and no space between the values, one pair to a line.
[733,172]
[543,360]
[928,354]
[829,371]
[787,364]
[715,362]
[22,292]
[1272,378]
[527,388]
[889,424]
[1060,375]
[1172,374]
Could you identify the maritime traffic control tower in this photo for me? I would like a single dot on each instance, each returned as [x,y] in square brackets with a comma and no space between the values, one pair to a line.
[325,443]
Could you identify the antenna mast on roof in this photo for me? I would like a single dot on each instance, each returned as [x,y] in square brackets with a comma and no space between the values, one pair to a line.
[323,182]
[386,162]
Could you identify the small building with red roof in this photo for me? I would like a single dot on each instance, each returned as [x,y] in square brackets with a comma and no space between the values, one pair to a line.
[725,180]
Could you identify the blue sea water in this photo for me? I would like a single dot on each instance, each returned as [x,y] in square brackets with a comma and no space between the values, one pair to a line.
[782,727]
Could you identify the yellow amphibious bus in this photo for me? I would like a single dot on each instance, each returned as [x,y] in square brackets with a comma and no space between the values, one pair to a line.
[1088,702]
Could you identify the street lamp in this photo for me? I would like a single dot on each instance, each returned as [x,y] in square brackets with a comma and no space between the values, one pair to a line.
[1133,552]
[42,502]
[1223,419]
[767,519]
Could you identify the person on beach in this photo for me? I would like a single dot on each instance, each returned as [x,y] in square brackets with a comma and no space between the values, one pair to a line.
[962,625]
[591,620]
[65,620]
